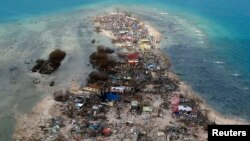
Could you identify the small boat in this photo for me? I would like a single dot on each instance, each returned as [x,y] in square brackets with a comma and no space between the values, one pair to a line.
[236,75]
[245,88]
[219,62]
[164,13]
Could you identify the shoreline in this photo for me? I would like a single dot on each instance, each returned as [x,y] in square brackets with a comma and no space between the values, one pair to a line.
[213,114]
[45,106]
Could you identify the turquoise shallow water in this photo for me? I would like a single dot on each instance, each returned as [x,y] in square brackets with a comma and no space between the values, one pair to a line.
[207,41]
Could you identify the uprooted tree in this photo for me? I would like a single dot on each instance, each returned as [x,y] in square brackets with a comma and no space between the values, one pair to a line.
[50,65]
[100,58]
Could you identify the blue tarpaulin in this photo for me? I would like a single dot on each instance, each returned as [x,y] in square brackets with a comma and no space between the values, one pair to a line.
[95,126]
[151,66]
[111,96]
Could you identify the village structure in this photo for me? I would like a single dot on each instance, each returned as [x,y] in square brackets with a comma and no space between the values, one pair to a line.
[132,95]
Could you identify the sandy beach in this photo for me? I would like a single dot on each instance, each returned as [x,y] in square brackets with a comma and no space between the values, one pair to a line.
[27,124]
[212,114]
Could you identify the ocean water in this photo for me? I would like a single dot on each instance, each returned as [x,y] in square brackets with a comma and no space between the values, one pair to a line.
[207,41]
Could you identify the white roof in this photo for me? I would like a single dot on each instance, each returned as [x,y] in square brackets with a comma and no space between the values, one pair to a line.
[184,108]
[128,77]
[79,104]
[144,40]
[118,88]
[134,103]
[123,31]
[133,61]
[147,109]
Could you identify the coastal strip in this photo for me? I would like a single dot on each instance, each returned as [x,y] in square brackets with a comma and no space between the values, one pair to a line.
[132,95]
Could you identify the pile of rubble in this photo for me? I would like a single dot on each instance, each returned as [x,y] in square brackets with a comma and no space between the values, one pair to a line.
[188,111]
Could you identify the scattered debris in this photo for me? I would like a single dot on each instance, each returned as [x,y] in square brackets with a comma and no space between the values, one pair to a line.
[52,83]
[93,41]
[61,96]
[36,80]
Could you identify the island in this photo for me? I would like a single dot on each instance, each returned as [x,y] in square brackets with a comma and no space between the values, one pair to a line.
[133,95]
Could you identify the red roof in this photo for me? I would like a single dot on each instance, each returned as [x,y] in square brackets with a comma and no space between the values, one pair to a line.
[106,131]
[175,100]
[133,56]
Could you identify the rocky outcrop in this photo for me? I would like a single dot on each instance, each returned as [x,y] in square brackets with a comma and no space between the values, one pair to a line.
[52,64]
